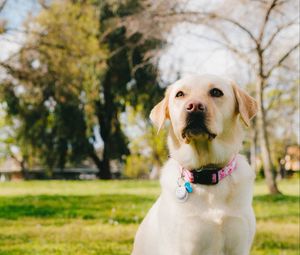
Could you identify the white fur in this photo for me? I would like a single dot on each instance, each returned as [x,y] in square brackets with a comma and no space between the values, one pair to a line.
[215,220]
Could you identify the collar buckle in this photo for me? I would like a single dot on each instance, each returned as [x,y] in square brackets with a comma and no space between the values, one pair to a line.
[207,177]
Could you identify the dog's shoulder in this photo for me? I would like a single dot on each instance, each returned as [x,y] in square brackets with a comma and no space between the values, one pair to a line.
[243,169]
[170,174]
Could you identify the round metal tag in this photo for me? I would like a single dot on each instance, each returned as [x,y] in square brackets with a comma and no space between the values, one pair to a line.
[181,193]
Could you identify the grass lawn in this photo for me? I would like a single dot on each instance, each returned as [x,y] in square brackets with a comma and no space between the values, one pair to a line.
[101,217]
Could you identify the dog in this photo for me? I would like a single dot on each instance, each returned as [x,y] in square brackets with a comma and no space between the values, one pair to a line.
[205,206]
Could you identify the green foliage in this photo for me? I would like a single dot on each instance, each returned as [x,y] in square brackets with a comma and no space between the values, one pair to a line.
[78,70]
[58,75]
[158,144]
[97,217]
[148,148]
[137,166]
[132,75]
[8,139]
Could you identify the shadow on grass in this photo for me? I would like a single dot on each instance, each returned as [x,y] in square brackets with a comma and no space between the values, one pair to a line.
[119,208]
[123,208]
[276,207]
[276,199]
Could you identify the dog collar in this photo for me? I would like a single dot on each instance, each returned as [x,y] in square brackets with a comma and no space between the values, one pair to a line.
[208,176]
[204,175]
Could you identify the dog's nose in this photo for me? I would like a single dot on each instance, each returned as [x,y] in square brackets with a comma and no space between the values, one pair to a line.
[195,107]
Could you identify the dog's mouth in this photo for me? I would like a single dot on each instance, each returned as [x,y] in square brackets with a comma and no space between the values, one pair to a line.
[196,126]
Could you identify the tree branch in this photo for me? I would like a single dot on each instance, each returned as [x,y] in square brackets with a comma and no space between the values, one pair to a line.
[282,59]
[277,32]
[2,4]
[237,24]
[266,19]
[43,4]
[188,15]
[227,45]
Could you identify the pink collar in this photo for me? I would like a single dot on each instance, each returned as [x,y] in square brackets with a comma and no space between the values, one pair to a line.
[208,176]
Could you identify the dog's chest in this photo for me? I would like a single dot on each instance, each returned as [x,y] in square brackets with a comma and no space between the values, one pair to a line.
[210,232]
[210,222]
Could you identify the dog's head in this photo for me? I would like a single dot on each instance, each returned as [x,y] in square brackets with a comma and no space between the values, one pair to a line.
[203,108]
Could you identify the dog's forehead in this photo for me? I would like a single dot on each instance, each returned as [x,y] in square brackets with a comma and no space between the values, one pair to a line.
[201,82]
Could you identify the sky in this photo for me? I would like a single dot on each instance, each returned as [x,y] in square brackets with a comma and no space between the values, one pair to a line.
[15,13]
[190,55]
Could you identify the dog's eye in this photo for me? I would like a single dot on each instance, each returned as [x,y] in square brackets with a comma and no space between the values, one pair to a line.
[216,92]
[179,94]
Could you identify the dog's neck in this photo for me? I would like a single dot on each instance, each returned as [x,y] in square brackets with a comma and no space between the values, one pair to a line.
[204,152]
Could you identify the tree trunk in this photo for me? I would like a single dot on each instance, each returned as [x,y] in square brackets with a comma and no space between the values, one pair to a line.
[253,141]
[102,165]
[263,140]
[24,171]
[105,163]
[105,113]
[93,155]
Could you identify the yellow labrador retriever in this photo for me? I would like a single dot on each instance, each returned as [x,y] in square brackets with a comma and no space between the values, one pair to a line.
[205,205]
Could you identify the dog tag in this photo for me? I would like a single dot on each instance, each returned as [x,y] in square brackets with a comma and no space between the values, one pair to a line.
[188,187]
[181,193]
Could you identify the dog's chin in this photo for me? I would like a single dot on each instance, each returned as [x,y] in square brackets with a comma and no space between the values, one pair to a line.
[189,134]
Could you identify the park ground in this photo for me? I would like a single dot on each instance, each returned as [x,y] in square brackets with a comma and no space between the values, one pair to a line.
[101,217]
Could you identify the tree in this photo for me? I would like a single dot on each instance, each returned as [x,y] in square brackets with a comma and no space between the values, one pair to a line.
[263,34]
[130,77]
[79,69]
[51,84]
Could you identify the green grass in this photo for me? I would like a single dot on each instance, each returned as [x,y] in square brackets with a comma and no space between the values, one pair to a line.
[101,217]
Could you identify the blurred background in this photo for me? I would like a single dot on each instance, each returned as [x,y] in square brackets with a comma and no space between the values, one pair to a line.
[77,82]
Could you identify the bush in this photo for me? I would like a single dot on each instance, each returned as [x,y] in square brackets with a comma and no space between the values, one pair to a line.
[137,166]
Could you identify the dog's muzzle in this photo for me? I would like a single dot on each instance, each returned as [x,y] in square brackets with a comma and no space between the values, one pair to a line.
[196,126]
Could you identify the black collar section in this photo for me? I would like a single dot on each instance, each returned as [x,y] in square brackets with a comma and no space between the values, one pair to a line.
[206,176]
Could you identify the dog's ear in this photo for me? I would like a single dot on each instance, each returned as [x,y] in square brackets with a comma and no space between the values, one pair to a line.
[246,105]
[160,112]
